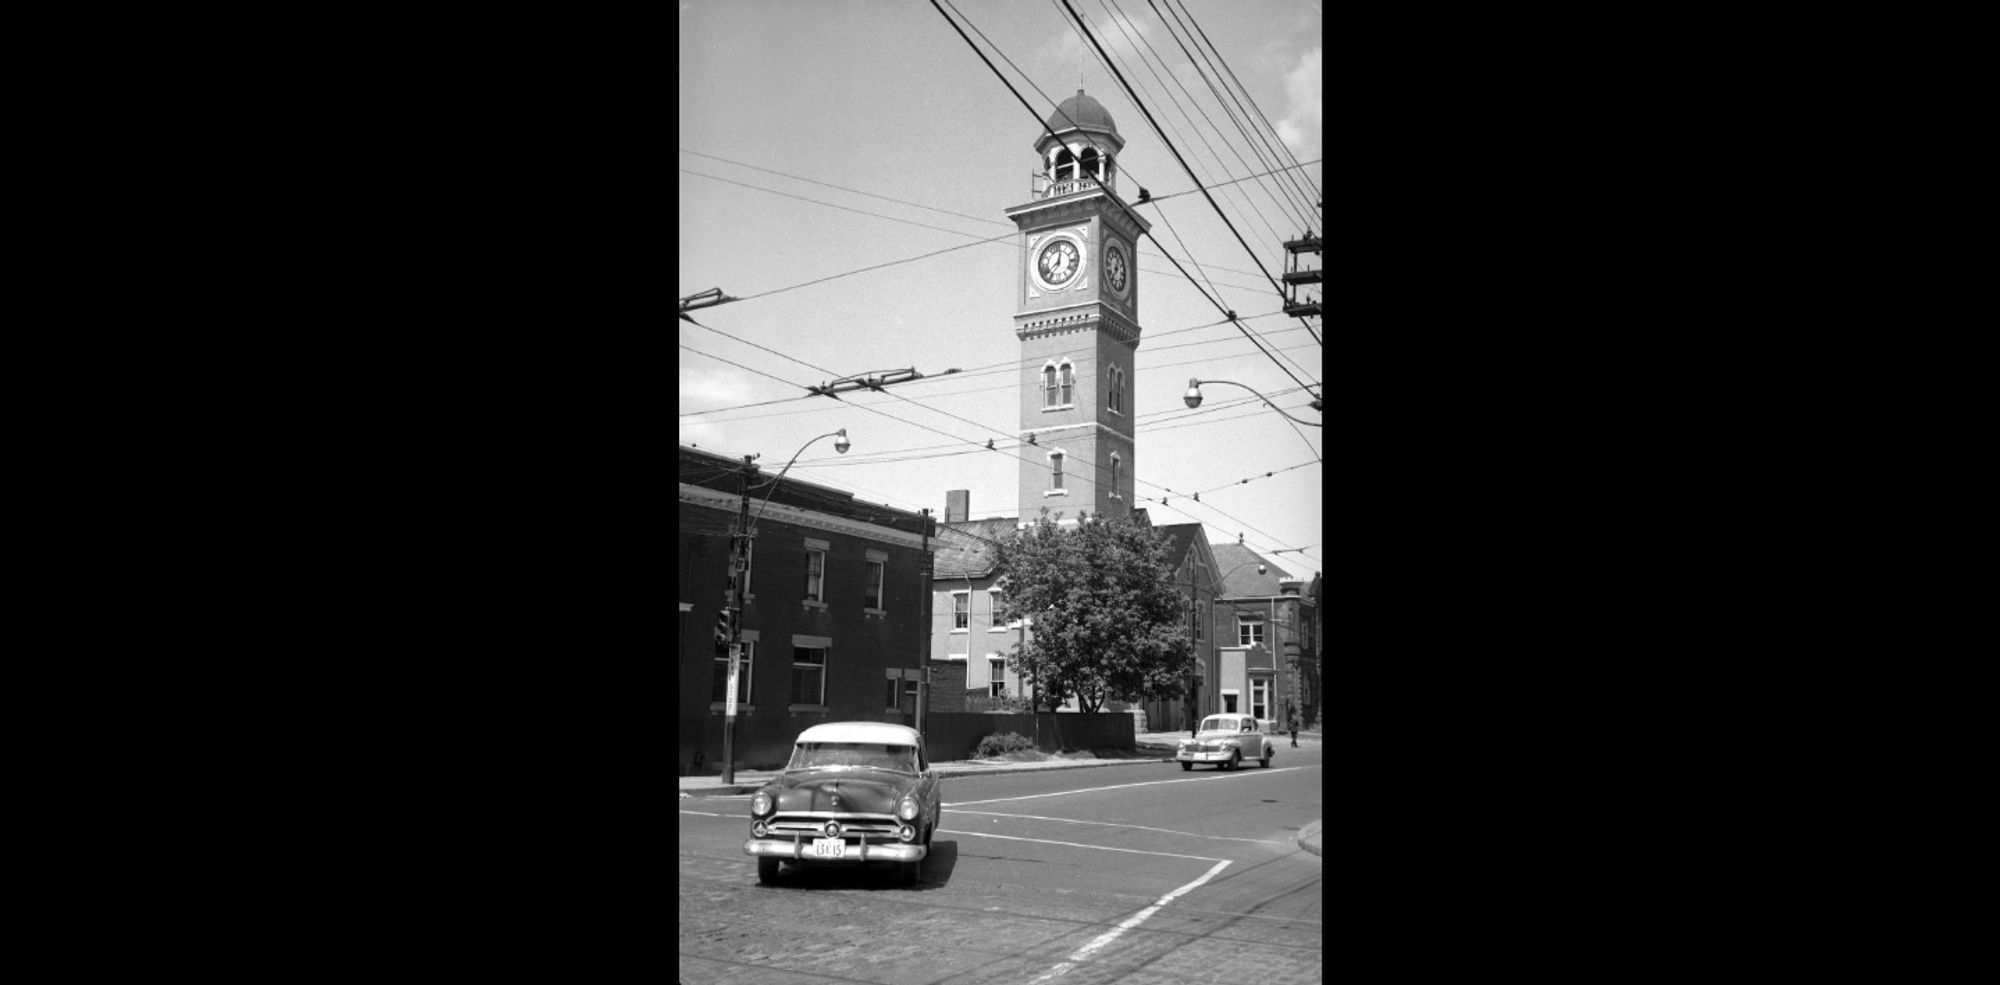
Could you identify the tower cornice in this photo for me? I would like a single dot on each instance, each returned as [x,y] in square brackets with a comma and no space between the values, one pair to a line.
[1086,317]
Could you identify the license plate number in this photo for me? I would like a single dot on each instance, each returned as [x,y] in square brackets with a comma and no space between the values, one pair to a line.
[828,848]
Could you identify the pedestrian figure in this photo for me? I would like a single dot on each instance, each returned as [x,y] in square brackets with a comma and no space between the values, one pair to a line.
[1295,734]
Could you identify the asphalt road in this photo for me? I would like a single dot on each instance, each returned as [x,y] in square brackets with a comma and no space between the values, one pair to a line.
[1141,875]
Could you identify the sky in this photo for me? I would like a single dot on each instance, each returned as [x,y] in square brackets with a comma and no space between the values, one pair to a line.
[781,100]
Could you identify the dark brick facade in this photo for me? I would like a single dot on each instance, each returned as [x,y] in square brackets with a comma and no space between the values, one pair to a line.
[864,649]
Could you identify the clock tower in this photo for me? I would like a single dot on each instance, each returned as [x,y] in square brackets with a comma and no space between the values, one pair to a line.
[1077,316]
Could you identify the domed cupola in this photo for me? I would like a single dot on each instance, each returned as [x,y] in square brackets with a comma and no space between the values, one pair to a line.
[1080,140]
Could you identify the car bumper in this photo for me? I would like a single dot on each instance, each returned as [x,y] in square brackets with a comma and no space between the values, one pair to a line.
[867,851]
[1204,757]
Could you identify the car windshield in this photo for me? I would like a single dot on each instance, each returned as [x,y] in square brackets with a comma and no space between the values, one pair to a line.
[854,755]
[1218,724]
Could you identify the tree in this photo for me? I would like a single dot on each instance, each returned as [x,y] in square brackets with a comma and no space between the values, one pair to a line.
[1107,618]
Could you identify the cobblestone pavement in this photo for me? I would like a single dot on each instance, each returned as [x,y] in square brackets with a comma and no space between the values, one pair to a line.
[1043,881]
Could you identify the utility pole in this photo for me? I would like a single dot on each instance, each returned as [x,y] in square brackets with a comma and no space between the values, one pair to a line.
[1194,616]
[739,559]
[924,616]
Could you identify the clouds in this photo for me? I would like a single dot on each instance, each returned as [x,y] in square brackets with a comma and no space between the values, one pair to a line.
[1066,56]
[706,387]
[1299,127]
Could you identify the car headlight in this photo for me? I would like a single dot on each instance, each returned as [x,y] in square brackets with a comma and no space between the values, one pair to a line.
[760,805]
[907,810]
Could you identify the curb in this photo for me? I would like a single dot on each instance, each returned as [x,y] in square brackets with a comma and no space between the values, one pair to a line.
[1309,838]
[944,774]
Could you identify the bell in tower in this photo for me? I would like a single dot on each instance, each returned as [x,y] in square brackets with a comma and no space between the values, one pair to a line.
[1077,319]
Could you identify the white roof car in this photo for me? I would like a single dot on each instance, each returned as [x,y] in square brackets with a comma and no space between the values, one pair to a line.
[868,732]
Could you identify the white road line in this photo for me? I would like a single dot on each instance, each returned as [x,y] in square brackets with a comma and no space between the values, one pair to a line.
[1130,922]
[1109,824]
[1072,844]
[1122,786]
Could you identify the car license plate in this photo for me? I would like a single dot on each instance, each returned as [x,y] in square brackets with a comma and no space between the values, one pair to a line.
[828,848]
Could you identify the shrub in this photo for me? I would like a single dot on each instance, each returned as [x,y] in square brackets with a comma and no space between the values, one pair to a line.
[1000,743]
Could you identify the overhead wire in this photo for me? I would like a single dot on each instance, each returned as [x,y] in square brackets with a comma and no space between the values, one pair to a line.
[1113,198]
[1141,47]
[1224,106]
[1093,466]
[1316,196]
[932,208]
[1144,46]
[957,393]
[908,222]
[1158,131]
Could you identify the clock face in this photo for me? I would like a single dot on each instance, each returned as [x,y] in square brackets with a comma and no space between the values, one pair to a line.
[1058,263]
[1115,273]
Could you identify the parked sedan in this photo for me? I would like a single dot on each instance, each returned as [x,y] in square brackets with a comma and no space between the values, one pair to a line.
[1226,741]
[854,792]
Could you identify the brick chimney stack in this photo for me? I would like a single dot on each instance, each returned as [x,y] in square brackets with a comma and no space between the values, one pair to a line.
[957,505]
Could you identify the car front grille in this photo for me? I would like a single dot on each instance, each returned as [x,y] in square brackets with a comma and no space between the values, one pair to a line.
[851,825]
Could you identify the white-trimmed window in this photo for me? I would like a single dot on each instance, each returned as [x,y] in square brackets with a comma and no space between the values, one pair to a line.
[1260,698]
[872,585]
[1068,383]
[1229,698]
[997,672]
[1055,470]
[1049,392]
[1116,462]
[815,575]
[1249,630]
[717,691]
[961,611]
[993,603]
[808,675]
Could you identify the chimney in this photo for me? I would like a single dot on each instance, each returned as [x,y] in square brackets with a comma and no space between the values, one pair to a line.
[957,505]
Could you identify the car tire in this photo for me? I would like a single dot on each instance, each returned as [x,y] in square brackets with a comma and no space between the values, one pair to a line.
[1235,760]
[1187,767]
[1264,762]
[767,869]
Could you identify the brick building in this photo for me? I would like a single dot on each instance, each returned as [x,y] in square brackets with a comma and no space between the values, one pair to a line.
[1268,662]
[834,618]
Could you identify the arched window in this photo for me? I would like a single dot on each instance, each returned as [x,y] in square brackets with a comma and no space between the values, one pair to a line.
[1068,382]
[1114,384]
[1065,165]
[1090,162]
[1049,386]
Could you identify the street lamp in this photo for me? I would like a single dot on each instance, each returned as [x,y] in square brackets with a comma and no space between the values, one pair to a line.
[1193,398]
[1194,602]
[748,524]
[840,446]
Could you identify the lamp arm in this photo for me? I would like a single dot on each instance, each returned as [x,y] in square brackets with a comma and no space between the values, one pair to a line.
[781,475]
[1268,402]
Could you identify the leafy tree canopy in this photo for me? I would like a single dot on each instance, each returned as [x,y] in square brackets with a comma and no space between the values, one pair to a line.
[1106,616]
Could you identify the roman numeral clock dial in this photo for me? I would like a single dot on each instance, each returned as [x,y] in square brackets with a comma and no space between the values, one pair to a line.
[1058,263]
